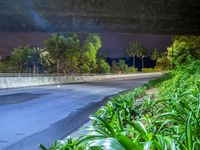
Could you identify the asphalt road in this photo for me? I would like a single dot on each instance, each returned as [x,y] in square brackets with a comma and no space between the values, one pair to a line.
[34,115]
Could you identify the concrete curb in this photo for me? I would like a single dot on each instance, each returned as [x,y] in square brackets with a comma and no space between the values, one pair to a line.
[16,82]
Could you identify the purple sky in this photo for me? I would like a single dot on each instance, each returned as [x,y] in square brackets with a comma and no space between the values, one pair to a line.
[114,44]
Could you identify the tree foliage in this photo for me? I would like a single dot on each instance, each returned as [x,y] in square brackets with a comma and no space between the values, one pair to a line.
[136,48]
[72,54]
[56,46]
[89,53]
[62,54]
[25,59]
[155,54]
[102,66]
[163,62]
[119,67]
[133,47]
[183,49]
[161,59]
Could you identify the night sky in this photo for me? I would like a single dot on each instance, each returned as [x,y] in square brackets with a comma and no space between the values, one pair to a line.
[113,44]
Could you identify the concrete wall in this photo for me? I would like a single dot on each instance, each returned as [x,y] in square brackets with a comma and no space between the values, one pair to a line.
[15,82]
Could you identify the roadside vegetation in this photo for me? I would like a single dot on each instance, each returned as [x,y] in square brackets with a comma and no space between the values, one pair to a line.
[162,114]
[169,119]
[69,54]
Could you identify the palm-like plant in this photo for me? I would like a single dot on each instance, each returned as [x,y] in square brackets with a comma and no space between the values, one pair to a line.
[132,48]
[35,58]
[136,48]
[141,53]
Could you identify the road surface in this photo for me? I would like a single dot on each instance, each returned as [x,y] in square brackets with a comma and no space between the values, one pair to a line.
[34,115]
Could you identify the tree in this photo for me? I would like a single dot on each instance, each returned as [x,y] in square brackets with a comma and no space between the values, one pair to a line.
[102,66]
[89,53]
[132,48]
[35,58]
[47,61]
[95,40]
[115,67]
[163,62]
[72,54]
[123,67]
[141,52]
[56,46]
[155,54]
[20,57]
[3,67]
[26,58]
[183,49]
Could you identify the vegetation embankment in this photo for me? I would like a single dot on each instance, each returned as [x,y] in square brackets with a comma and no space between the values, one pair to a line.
[163,114]
[140,120]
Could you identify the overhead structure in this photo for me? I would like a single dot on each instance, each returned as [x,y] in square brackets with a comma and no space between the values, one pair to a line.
[144,16]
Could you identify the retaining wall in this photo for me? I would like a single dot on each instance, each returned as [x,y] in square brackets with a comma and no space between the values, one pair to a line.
[15,82]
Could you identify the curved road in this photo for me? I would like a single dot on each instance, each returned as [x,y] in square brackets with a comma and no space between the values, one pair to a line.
[34,115]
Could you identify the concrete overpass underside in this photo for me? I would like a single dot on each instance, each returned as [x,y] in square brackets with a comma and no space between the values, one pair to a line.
[144,16]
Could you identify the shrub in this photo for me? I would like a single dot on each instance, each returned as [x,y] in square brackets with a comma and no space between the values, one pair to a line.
[132,70]
[103,66]
[156,69]
[184,49]
[163,63]
[123,67]
[119,67]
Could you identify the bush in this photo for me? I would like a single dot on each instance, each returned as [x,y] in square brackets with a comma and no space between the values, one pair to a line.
[119,67]
[184,49]
[151,69]
[163,63]
[123,67]
[132,70]
[103,66]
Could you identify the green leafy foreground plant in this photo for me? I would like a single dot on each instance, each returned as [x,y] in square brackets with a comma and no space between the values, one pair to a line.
[134,120]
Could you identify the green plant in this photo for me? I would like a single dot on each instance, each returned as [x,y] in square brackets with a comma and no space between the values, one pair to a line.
[155,54]
[151,69]
[134,120]
[102,66]
[133,47]
[119,67]
[183,49]
[132,70]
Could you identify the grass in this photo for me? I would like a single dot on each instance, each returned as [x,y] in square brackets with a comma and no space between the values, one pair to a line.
[170,120]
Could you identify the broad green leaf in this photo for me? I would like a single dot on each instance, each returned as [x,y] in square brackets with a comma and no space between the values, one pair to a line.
[140,128]
[147,145]
[103,122]
[128,143]
[106,144]
[188,132]
[171,144]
